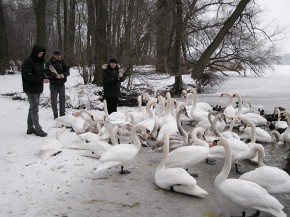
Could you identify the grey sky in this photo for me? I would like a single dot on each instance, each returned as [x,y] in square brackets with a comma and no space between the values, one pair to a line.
[278,12]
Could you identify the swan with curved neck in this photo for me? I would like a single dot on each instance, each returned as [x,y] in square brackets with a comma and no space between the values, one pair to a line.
[242,192]
[175,179]
[121,154]
[286,134]
[178,140]
[229,110]
[83,121]
[188,156]
[261,135]
[257,119]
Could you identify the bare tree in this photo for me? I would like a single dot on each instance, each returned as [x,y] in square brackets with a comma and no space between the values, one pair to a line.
[4,54]
[40,11]
[201,63]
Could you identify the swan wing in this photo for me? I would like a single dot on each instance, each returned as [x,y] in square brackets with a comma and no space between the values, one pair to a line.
[122,152]
[249,194]
[165,178]
[273,179]
[187,156]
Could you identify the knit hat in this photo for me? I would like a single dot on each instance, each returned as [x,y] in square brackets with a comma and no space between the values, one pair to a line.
[56,52]
[113,60]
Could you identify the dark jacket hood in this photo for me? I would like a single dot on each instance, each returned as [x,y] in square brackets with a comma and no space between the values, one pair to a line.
[36,50]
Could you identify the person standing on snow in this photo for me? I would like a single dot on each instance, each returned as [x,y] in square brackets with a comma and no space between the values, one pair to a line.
[112,78]
[32,72]
[57,72]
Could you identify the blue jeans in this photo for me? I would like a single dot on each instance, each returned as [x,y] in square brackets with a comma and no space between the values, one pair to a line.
[33,117]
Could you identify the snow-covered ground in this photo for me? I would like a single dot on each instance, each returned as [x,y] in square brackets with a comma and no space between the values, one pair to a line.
[66,185]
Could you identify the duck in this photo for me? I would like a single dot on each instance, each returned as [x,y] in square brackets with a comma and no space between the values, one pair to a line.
[188,156]
[121,154]
[175,179]
[243,193]
[53,146]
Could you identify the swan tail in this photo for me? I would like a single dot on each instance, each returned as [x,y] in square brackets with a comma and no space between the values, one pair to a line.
[194,190]
[277,213]
[106,165]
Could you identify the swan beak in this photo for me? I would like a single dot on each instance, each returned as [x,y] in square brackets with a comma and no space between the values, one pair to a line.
[92,117]
[214,143]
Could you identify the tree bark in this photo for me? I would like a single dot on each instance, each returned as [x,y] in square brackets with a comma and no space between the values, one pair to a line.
[100,40]
[203,60]
[71,32]
[161,36]
[65,29]
[58,25]
[178,85]
[4,54]
[39,7]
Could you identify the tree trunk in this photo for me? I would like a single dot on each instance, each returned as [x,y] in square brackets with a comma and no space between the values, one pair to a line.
[100,40]
[65,29]
[4,54]
[39,10]
[90,32]
[203,60]
[71,32]
[178,85]
[161,36]
[58,25]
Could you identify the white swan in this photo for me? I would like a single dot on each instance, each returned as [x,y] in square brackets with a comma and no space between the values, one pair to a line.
[242,192]
[261,134]
[82,122]
[52,146]
[120,154]
[229,110]
[286,134]
[175,179]
[150,119]
[257,119]
[66,120]
[180,139]
[188,156]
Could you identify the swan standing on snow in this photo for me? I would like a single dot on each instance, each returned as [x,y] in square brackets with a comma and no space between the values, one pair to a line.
[53,146]
[175,179]
[120,154]
[242,192]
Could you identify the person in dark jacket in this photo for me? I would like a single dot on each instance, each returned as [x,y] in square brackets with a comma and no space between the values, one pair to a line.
[57,72]
[32,71]
[112,78]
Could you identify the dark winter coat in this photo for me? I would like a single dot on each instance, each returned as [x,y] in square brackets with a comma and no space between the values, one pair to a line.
[32,71]
[111,83]
[60,67]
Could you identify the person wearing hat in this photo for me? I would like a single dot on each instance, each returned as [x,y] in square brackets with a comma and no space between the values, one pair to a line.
[57,72]
[33,77]
[112,78]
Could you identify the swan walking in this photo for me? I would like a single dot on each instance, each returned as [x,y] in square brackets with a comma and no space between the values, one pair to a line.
[120,154]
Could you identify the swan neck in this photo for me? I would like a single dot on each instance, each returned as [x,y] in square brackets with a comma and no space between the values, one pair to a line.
[134,136]
[197,140]
[233,123]
[106,109]
[181,130]
[214,125]
[239,104]
[253,133]
[261,155]
[223,175]
[113,135]
[165,154]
